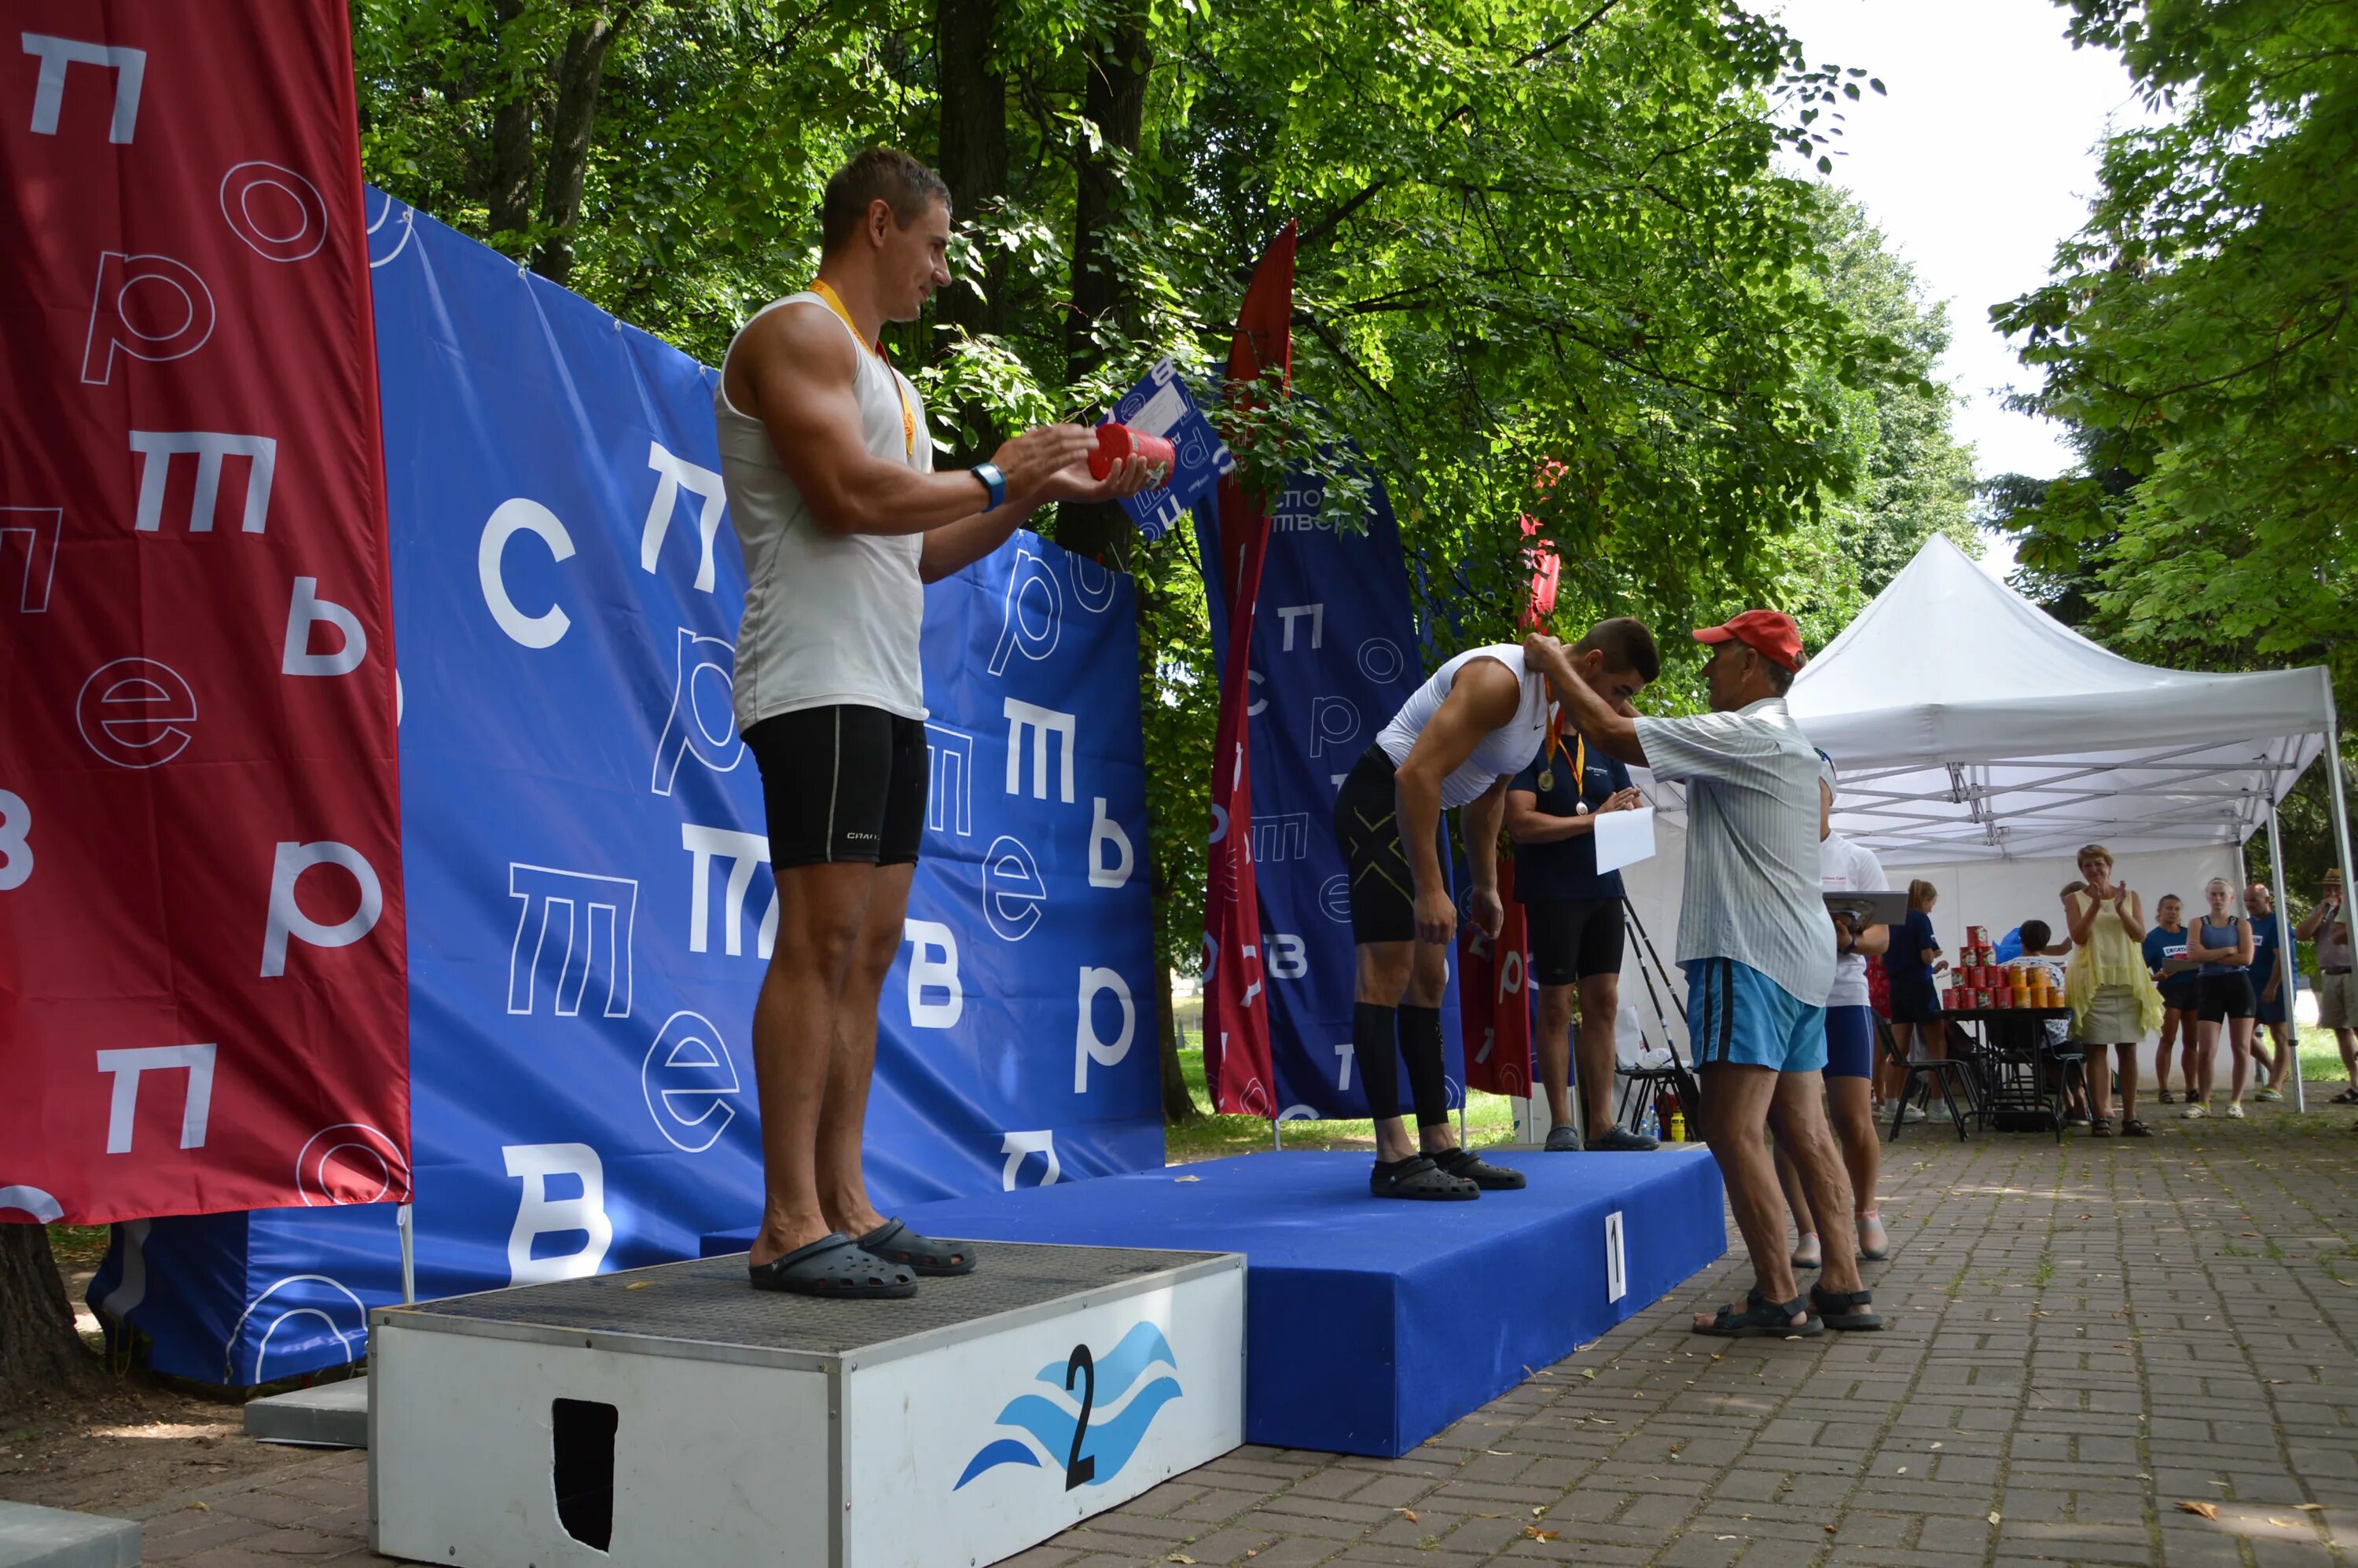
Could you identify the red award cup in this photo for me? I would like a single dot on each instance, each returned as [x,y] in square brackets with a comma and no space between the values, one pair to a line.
[1116,442]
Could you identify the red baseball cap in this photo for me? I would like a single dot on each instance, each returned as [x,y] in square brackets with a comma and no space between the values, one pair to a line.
[1767,632]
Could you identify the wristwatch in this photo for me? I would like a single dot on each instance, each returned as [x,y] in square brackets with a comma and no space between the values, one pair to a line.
[994,484]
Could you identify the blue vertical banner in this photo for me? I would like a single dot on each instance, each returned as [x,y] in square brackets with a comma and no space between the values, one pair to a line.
[1334,655]
[591,906]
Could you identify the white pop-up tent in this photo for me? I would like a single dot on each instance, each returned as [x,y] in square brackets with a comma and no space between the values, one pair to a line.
[1969,724]
[1976,735]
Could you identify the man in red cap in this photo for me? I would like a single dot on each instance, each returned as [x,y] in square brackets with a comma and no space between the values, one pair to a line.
[1756,947]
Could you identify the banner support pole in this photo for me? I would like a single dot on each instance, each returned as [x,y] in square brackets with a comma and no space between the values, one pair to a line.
[2288,952]
[401,1219]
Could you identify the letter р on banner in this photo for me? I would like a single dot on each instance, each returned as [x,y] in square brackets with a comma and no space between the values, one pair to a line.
[202,945]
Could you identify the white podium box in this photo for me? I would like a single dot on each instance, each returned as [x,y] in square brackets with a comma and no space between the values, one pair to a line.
[673,1415]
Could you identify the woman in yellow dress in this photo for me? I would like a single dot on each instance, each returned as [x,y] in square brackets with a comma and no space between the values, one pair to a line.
[2113,998]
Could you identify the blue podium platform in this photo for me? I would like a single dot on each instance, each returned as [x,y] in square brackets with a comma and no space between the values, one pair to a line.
[1371,1326]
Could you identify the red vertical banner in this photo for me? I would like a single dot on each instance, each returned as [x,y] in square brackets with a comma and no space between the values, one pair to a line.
[1494,1001]
[1235,1006]
[203,1003]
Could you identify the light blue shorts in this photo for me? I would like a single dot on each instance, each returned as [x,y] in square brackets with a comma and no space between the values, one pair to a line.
[1737,1014]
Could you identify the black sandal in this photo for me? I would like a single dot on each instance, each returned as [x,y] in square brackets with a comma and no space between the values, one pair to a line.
[1418,1177]
[833,1266]
[2100,1127]
[1466,1165]
[2347,1097]
[896,1243]
[1845,1310]
[1759,1320]
[2133,1128]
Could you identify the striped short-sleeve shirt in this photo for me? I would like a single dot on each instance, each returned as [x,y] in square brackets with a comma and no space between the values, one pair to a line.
[1752,873]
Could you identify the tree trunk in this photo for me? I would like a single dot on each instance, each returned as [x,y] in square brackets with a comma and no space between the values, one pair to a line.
[1119,69]
[578,81]
[972,156]
[510,189]
[40,1351]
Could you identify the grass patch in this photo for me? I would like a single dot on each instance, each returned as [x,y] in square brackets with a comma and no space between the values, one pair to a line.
[1489,1122]
[2044,1275]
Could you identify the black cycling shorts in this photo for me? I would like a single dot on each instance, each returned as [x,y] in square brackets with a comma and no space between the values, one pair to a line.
[843,783]
[2226,996]
[1367,826]
[1572,938]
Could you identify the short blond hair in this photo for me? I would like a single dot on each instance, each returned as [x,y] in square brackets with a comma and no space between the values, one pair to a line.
[2092,852]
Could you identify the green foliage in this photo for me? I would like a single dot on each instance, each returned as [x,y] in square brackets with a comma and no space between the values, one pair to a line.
[2197,336]
[1534,234]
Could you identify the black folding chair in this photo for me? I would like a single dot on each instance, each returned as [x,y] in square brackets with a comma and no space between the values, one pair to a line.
[1920,1074]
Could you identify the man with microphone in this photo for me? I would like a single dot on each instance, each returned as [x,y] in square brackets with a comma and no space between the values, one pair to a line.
[830,469]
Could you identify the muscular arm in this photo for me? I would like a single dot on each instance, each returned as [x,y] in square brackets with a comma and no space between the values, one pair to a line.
[795,369]
[1481,821]
[1483,697]
[1607,729]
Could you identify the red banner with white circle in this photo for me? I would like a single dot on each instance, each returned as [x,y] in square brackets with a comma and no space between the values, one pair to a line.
[203,1003]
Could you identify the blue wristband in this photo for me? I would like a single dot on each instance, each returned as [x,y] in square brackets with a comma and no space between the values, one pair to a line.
[993,481]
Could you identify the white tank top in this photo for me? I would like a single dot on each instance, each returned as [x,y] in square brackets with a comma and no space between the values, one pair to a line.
[1505,750]
[828,620]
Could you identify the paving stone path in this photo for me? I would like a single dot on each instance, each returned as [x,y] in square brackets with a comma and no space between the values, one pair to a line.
[2081,1338]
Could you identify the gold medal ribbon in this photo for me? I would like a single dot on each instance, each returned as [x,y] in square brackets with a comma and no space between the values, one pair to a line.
[908,414]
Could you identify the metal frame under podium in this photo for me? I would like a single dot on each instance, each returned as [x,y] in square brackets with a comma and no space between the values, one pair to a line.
[672,1414]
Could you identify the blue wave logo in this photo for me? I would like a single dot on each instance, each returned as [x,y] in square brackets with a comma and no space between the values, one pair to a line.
[1069,1427]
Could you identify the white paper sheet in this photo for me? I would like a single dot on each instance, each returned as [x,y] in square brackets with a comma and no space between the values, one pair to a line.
[1624,838]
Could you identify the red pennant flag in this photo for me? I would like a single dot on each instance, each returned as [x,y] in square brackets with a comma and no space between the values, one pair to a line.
[1236,1011]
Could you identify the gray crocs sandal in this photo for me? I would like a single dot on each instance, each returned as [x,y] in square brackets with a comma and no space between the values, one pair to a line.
[1564,1139]
[896,1243]
[1418,1177]
[833,1266]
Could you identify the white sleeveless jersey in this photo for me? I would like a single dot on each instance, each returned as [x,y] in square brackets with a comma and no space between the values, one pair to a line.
[1504,752]
[828,620]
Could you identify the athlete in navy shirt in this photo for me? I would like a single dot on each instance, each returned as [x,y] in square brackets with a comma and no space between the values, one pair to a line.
[1575,910]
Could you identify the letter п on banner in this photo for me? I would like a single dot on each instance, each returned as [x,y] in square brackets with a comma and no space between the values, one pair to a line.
[588,858]
[201,903]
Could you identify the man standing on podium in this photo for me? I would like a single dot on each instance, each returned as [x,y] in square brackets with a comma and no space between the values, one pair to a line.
[830,469]
[1757,950]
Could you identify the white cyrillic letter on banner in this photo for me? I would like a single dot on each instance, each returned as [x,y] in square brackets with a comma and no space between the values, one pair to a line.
[157,448]
[933,965]
[581,902]
[1015,1145]
[1103,831]
[519,516]
[15,840]
[743,851]
[1040,722]
[287,917]
[130,68]
[260,198]
[539,1215]
[307,607]
[674,473]
[150,307]
[38,528]
[122,1108]
[685,730]
[1086,1047]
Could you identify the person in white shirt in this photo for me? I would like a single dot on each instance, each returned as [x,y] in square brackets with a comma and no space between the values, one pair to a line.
[1846,867]
[1757,950]
[829,470]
